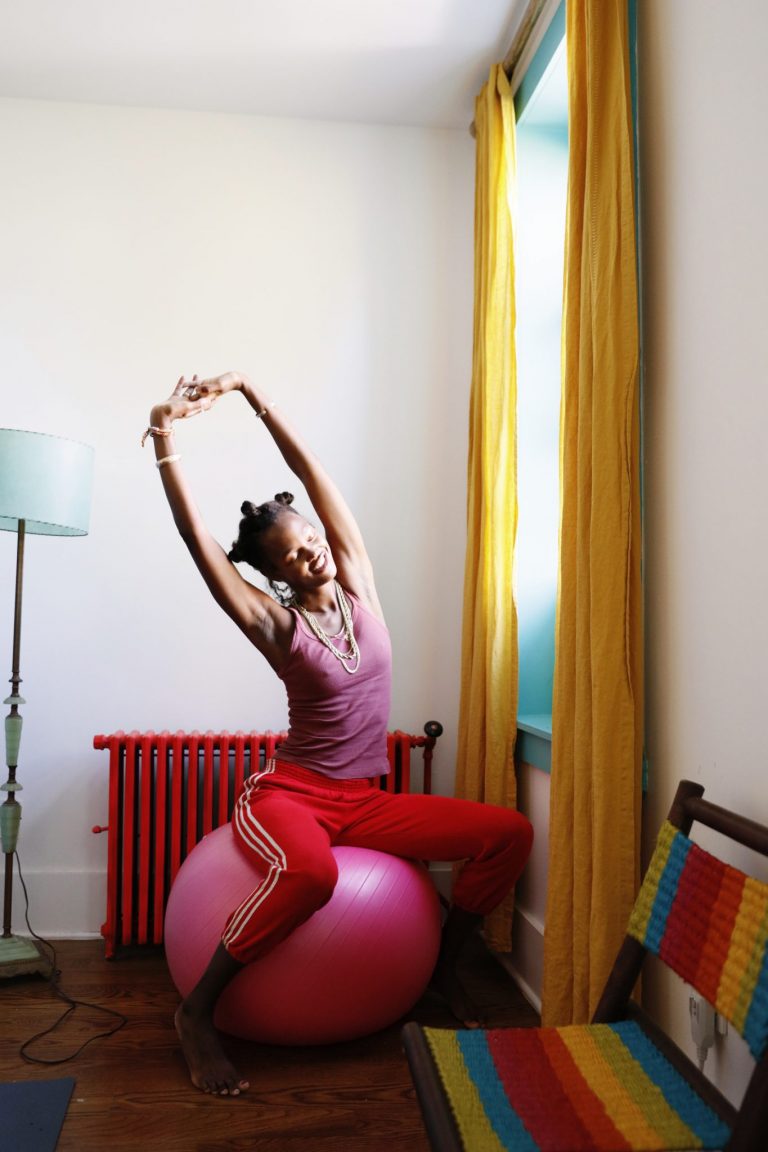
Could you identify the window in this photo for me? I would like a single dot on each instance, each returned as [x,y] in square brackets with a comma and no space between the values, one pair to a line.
[541,106]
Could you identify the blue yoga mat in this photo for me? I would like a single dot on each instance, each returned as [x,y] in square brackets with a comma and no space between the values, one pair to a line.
[32,1113]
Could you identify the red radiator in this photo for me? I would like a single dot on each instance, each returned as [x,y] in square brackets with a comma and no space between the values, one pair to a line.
[167,790]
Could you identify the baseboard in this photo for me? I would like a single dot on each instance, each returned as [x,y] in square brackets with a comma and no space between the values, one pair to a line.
[67,935]
[525,960]
[530,994]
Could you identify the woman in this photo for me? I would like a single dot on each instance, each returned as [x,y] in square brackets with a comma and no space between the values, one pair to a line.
[323,634]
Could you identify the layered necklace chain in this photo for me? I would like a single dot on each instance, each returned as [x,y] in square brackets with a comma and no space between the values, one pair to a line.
[349,660]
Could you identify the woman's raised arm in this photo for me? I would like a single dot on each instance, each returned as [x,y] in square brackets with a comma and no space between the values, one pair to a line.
[341,529]
[252,610]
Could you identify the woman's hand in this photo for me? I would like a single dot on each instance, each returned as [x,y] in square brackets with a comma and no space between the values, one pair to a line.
[190,398]
[216,386]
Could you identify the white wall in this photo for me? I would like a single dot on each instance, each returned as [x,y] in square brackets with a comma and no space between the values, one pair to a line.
[703,114]
[334,261]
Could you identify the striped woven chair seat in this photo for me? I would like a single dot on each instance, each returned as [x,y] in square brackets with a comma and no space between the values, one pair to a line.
[603,1087]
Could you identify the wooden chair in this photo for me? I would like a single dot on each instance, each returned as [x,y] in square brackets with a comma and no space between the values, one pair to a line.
[619,1082]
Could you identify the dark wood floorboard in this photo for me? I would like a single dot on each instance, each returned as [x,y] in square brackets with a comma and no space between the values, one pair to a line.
[132,1090]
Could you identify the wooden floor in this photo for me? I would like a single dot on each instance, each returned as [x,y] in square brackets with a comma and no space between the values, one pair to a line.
[132,1090]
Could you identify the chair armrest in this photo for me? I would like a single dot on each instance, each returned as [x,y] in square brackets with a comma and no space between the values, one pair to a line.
[436,1111]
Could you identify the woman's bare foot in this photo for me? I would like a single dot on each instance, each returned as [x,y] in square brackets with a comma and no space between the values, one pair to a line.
[209,1068]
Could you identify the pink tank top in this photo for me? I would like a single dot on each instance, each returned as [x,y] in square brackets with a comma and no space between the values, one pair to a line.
[337,721]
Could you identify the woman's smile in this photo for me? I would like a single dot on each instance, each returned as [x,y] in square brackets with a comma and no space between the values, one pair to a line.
[320,563]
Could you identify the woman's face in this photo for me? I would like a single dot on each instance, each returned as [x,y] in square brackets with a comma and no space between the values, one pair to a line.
[298,553]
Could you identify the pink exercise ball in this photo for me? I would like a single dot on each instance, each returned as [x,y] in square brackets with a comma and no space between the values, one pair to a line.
[357,965]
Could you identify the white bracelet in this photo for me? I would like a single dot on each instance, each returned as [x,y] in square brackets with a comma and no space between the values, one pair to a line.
[264,411]
[161,463]
[153,431]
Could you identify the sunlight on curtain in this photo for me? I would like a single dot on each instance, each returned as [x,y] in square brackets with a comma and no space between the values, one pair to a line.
[488,709]
[597,705]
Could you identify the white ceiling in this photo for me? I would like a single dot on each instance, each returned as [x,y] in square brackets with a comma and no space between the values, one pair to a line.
[378,61]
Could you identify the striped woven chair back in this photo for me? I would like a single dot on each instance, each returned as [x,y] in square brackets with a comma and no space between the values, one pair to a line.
[709,922]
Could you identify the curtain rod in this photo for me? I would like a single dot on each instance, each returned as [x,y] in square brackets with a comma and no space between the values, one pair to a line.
[536,18]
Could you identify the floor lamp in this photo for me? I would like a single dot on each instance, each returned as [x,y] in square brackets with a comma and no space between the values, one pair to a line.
[45,489]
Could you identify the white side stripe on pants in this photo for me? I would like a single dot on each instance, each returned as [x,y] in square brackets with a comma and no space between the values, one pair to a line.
[263,845]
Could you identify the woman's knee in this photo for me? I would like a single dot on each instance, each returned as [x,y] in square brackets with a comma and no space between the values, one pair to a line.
[508,829]
[523,832]
[312,881]
[519,840]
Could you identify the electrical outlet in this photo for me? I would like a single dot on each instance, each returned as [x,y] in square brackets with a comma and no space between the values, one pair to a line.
[702,1025]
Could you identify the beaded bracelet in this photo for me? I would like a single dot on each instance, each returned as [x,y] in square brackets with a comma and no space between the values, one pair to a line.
[161,463]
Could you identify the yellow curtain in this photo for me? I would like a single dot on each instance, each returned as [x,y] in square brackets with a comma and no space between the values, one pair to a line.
[488,708]
[597,700]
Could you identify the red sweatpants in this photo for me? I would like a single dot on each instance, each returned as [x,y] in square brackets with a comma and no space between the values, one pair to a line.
[287,819]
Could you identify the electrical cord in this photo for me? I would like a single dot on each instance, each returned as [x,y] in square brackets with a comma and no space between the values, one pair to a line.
[58,991]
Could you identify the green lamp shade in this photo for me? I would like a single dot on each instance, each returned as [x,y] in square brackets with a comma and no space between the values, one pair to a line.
[45,481]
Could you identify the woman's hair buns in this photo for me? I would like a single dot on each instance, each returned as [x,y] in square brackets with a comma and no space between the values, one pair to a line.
[264,514]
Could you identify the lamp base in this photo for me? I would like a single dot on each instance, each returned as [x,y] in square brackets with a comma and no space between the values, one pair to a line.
[20,956]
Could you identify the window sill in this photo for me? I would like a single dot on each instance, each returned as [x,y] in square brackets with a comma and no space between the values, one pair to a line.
[534,740]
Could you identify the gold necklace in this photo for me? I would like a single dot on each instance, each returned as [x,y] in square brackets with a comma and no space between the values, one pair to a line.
[346,659]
